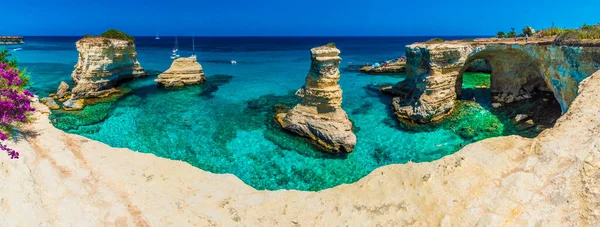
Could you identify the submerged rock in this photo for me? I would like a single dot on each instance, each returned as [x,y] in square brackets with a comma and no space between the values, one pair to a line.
[50,103]
[183,71]
[319,117]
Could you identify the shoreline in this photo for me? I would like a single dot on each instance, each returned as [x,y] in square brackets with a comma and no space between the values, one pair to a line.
[64,179]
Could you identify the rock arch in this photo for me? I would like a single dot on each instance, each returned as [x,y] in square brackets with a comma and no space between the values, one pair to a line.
[514,73]
[435,70]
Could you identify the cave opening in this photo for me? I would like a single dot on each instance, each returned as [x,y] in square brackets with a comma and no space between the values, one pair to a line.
[504,93]
[476,82]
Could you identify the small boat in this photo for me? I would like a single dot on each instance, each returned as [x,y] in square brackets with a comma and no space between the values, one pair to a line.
[157,36]
[233,62]
[17,49]
[175,53]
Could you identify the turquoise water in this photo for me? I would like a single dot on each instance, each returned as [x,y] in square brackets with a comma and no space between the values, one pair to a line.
[229,127]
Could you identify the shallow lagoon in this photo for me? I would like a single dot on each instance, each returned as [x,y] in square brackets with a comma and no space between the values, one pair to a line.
[230,127]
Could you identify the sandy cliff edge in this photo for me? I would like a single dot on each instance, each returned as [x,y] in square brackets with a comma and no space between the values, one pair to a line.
[64,179]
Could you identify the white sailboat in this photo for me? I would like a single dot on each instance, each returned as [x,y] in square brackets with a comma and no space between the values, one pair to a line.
[193,47]
[175,53]
[157,36]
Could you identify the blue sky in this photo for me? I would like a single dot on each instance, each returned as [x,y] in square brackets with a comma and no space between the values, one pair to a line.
[290,18]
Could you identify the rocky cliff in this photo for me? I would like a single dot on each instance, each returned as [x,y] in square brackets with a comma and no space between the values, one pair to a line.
[102,63]
[11,40]
[435,74]
[183,71]
[320,117]
[392,68]
[552,180]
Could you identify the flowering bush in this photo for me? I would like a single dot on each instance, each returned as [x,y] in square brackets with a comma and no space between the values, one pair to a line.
[15,101]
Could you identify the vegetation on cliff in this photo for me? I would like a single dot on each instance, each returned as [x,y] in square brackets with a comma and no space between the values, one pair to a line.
[527,30]
[116,34]
[435,40]
[113,34]
[15,100]
[562,34]
[586,32]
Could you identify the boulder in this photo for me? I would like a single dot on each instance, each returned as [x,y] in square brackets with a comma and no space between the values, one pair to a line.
[509,99]
[183,71]
[496,105]
[63,90]
[529,122]
[50,103]
[319,117]
[520,117]
[74,104]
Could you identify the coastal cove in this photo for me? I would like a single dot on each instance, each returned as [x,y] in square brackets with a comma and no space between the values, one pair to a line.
[226,125]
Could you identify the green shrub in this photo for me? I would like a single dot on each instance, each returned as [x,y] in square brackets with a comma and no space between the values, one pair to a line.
[511,34]
[116,34]
[552,32]
[583,33]
[589,32]
[332,45]
[501,34]
[435,40]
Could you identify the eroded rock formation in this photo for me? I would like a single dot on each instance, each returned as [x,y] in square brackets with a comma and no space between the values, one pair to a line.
[320,117]
[435,74]
[392,68]
[102,63]
[183,71]
[7,40]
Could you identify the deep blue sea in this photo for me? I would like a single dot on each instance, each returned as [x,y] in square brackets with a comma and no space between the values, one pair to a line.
[230,127]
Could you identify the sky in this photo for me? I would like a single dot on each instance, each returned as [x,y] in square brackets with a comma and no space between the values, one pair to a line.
[290,17]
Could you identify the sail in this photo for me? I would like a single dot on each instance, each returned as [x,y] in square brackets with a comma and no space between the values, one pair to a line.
[193,46]
[175,53]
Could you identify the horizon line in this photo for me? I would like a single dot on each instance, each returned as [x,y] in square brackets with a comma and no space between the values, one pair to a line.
[268,36]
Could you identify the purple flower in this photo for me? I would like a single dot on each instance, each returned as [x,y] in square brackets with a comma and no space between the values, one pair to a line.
[15,103]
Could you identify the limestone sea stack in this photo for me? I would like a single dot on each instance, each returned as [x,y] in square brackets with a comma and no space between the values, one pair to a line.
[102,63]
[183,71]
[319,117]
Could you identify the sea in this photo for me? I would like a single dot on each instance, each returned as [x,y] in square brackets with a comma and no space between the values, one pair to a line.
[227,126]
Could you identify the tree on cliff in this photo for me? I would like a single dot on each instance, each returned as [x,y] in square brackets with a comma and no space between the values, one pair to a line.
[15,101]
[116,34]
[527,30]
[501,34]
[512,33]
